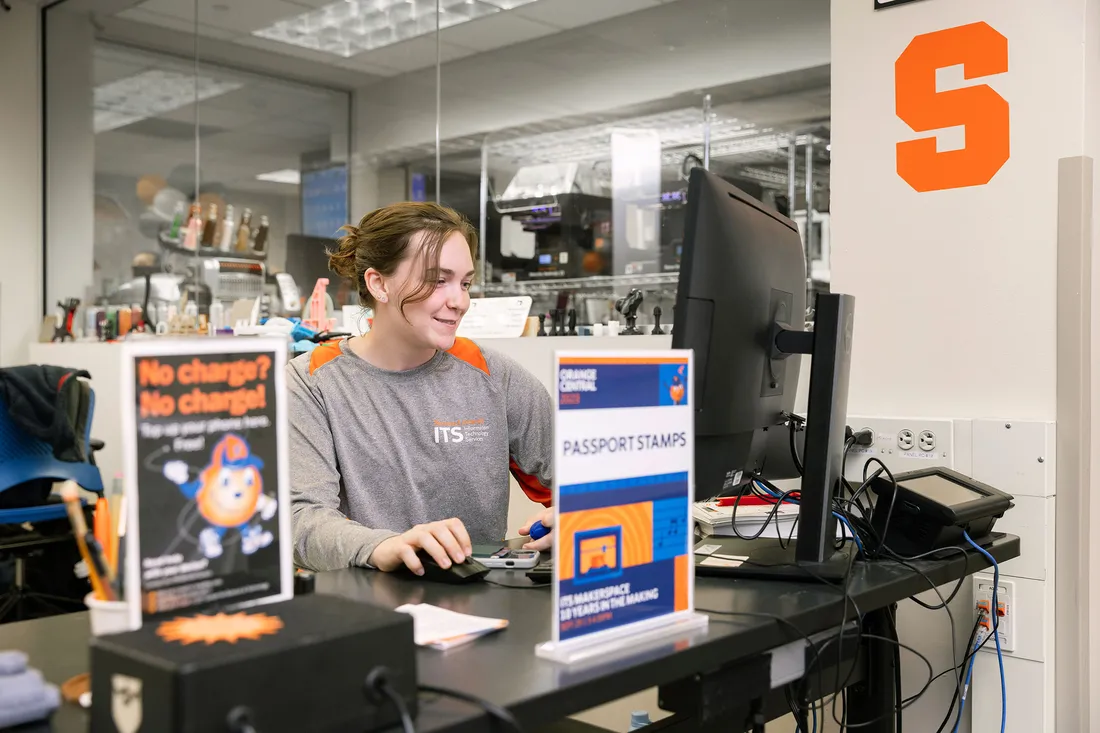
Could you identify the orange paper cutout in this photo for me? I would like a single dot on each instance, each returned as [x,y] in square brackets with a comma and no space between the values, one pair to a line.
[219,627]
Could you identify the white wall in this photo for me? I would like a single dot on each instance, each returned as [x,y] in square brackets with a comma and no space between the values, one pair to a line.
[20,183]
[956,289]
[1088,689]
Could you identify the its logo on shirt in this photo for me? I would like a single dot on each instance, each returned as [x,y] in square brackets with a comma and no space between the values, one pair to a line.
[468,430]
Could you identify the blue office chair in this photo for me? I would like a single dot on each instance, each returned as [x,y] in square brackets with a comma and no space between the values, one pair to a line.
[28,466]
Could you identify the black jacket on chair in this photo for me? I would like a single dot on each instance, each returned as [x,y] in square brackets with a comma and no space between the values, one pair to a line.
[49,403]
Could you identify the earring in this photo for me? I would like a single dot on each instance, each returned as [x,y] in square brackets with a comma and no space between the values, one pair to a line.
[382,298]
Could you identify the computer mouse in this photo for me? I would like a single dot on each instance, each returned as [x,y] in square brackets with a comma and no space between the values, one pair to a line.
[464,572]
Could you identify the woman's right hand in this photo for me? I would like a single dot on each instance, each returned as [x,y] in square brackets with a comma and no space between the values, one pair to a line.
[447,542]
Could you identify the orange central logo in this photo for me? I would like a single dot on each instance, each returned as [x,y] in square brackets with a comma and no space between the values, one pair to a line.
[219,627]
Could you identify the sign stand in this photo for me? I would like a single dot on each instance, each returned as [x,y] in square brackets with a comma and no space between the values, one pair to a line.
[623,489]
[208,500]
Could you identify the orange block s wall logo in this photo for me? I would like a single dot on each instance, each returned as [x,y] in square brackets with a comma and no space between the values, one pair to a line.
[979,109]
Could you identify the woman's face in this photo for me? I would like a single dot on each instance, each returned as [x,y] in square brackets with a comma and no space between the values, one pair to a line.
[432,323]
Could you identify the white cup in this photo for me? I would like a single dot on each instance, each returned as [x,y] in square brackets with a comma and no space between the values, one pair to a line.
[108,617]
[597,329]
[612,328]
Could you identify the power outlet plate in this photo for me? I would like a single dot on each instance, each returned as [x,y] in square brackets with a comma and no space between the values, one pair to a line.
[1006,594]
[903,444]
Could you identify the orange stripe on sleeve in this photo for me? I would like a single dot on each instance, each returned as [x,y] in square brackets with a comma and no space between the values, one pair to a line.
[323,354]
[531,486]
[469,352]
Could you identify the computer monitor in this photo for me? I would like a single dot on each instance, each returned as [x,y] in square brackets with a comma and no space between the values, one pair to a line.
[741,307]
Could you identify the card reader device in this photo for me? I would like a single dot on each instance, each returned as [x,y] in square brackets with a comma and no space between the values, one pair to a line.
[932,508]
[287,667]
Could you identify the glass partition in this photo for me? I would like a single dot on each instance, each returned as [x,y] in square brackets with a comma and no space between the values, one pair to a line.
[175,181]
[564,129]
[584,120]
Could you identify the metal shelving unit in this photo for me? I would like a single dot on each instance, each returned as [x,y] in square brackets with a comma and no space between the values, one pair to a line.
[784,161]
[593,285]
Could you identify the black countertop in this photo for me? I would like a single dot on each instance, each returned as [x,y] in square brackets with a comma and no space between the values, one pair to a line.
[503,667]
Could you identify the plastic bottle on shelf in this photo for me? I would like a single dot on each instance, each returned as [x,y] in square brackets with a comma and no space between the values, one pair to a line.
[260,245]
[177,220]
[210,228]
[244,231]
[639,719]
[228,230]
[217,315]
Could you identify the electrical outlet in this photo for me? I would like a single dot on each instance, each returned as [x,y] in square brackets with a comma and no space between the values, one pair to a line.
[1006,592]
[926,441]
[897,443]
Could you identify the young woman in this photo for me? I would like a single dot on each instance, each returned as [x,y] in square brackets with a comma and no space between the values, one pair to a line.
[402,439]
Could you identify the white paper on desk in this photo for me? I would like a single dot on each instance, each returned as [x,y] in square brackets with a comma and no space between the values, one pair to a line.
[442,629]
[709,513]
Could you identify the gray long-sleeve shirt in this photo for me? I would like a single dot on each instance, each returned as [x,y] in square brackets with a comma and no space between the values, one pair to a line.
[375,452]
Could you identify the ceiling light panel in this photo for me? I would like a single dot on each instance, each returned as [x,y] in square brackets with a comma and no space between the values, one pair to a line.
[286,175]
[349,27]
[150,94]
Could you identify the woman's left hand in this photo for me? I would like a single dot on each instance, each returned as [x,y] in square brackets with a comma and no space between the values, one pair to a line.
[543,544]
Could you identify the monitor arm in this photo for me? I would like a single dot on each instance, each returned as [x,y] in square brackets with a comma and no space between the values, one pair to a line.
[786,341]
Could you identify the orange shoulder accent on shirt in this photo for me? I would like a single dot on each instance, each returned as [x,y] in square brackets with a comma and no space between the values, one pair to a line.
[469,352]
[531,485]
[323,354]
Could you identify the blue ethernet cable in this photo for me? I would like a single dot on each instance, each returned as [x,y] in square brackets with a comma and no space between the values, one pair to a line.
[843,520]
[996,636]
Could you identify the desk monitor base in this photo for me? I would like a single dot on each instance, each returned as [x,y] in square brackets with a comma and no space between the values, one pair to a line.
[765,559]
[625,640]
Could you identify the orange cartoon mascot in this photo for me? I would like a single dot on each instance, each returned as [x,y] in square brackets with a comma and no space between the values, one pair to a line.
[676,390]
[229,494]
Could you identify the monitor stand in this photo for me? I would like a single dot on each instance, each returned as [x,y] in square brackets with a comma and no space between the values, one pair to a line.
[811,553]
[768,560]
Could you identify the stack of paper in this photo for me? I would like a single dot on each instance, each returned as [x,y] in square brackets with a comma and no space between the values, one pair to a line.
[442,629]
[718,520]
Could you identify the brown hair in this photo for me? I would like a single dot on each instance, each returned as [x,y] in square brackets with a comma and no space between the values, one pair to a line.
[382,239]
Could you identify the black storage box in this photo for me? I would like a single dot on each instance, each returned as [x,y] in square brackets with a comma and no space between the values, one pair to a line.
[308,675]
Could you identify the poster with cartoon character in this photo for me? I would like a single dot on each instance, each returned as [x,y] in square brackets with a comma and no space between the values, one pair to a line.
[208,504]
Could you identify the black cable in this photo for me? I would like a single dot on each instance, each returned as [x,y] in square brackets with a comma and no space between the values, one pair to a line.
[946,609]
[493,710]
[955,692]
[771,515]
[794,448]
[898,697]
[402,709]
[843,723]
[799,704]
[893,500]
[814,663]
[949,670]
[904,561]
[377,688]
[840,640]
[239,720]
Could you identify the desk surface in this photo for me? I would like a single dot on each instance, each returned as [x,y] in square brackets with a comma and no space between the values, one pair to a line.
[503,668]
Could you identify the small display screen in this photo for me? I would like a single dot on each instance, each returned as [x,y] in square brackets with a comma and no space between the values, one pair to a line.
[545,259]
[941,490]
